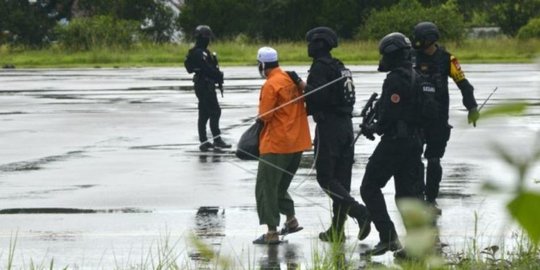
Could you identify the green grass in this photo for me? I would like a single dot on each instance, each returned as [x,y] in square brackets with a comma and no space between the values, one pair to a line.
[168,254]
[240,53]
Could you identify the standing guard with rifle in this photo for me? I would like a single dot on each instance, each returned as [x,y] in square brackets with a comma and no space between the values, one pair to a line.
[207,74]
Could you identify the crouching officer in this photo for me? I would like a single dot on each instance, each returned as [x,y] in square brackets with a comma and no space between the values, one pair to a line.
[331,108]
[435,62]
[398,154]
[207,74]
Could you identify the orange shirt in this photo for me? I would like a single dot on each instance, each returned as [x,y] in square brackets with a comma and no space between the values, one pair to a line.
[286,130]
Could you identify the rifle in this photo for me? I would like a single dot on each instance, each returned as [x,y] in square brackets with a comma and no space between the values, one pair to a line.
[368,117]
[220,85]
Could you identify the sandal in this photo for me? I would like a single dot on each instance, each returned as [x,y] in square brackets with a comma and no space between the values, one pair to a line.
[291,226]
[268,239]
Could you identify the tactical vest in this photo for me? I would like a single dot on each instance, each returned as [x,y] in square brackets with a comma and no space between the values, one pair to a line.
[410,112]
[344,95]
[436,68]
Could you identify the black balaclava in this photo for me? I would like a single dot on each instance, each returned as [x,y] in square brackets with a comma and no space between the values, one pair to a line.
[318,48]
[393,60]
[202,42]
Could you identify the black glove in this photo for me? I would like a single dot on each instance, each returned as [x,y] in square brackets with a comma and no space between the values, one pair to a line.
[294,77]
[473,116]
[368,131]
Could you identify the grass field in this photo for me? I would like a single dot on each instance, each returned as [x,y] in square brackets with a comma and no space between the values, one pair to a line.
[241,53]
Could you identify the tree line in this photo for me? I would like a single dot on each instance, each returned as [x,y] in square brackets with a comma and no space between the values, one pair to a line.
[83,24]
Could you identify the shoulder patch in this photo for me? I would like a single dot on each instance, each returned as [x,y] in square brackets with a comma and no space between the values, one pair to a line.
[455,62]
[395,98]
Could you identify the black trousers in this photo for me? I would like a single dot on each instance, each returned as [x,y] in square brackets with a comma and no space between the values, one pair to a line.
[208,108]
[400,158]
[335,156]
[436,138]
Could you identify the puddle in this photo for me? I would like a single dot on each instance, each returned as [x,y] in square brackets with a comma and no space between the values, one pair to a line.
[136,129]
[39,210]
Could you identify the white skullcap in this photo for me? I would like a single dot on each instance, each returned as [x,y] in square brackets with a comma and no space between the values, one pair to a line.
[267,55]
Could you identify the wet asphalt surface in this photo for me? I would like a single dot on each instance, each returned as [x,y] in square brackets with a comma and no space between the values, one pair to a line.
[100,168]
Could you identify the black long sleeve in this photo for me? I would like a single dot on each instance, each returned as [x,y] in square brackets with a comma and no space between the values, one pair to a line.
[467,91]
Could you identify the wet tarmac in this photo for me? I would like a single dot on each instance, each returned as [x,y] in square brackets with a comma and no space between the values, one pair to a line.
[100,168]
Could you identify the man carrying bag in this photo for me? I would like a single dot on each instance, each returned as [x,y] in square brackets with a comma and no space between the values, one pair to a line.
[284,137]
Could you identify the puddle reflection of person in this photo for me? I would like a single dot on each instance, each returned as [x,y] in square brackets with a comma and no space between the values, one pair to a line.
[213,158]
[272,260]
[210,222]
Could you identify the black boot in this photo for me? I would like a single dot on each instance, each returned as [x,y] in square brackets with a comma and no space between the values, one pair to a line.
[432,204]
[335,233]
[219,143]
[360,213]
[384,246]
[332,235]
[205,146]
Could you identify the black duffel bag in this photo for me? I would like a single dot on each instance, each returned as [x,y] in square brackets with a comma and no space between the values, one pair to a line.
[248,146]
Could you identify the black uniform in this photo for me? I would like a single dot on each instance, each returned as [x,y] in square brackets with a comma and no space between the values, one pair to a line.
[398,154]
[207,75]
[438,67]
[333,140]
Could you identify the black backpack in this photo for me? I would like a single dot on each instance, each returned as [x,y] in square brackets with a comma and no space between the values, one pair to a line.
[189,62]
[345,94]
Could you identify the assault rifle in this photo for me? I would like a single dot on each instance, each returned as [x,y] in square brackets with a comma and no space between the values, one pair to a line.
[368,117]
[220,85]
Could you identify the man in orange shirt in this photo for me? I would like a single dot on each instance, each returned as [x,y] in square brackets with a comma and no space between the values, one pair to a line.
[283,139]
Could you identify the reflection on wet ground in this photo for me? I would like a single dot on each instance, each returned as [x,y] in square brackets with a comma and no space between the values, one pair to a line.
[12,211]
[36,164]
[280,257]
[96,163]
[210,221]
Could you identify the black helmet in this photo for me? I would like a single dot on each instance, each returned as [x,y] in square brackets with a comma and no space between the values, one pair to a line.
[203,31]
[425,34]
[394,42]
[324,33]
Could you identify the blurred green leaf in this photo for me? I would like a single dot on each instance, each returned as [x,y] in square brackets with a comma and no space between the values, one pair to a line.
[204,249]
[490,187]
[419,243]
[503,109]
[525,208]
[504,154]
[415,213]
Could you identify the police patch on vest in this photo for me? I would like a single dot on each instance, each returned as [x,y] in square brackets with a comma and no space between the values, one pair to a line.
[428,88]
[395,98]
[348,93]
